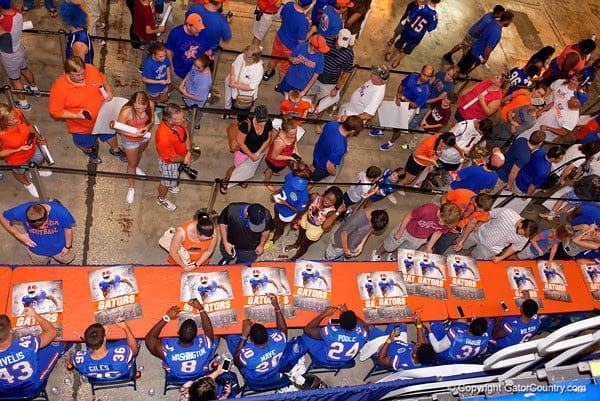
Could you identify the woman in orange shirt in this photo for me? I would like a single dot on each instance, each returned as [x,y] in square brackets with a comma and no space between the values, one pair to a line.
[194,243]
[426,155]
[19,145]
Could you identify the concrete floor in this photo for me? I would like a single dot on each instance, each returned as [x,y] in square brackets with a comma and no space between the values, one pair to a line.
[109,231]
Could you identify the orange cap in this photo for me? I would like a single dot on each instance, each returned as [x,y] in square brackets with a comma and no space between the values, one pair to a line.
[195,20]
[319,43]
[344,3]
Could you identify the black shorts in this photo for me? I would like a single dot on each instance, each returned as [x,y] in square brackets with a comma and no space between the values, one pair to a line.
[412,167]
[274,168]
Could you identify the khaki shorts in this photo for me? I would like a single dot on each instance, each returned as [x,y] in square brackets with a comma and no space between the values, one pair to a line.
[260,28]
[313,232]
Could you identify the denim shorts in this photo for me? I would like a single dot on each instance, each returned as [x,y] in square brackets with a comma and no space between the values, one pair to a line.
[131,144]
[37,158]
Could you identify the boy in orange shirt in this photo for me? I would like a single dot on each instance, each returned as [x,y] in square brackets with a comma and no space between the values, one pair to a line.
[295,106]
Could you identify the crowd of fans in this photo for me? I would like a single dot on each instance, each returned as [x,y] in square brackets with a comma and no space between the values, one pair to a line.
[515,132]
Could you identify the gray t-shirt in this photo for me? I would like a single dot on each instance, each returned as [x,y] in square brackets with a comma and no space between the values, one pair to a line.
[357,226]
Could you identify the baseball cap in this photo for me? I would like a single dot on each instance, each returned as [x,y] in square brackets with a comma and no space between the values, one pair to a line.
[344,3]
[5,4]
[261,113]
[381,71]
[195,20]
[345,38]
[298,183]
[304,3]
[257,218]
[319,43]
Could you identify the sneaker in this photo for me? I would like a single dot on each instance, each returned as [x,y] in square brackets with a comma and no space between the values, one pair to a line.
[386,146]
[268,75]
[392,199]
[100,25]
[94,158]
[141,69]
[374,256]
[32,190]
[139,171]
[23,107]
[448,58]
[269,245]
[45,173]
[376,132]
[276,88]
[401,192]
[167,204]
[120,154]
[99,42]
[130,195]
[405,146]
[34,90]
[174,190]
[391,258]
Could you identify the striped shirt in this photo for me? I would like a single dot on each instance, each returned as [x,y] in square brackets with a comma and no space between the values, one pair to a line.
[500,231]
[336,62]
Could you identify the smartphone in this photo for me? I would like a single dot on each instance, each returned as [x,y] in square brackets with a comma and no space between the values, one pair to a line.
[504,306]
[226,365]
[334,322]
[396,331]
[87,115]
[461,313]
[296,157]
[30,138]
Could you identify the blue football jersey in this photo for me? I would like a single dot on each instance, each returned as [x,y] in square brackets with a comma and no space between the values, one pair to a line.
[115,364]
[187,362]
[261,282]
[263,362]
[464,346]
[34,301]
[19,365]
[111,285]
[401,354]
[338,344]
[211,289]
[421,19]
[517,331]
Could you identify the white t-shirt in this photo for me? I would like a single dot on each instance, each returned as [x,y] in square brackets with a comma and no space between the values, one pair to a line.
[561,92]
[356,192]
[559,116]
[467,136]
[246,74]
[365,99]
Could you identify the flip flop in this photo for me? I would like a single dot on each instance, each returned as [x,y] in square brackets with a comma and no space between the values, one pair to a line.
[390,42]
[388,56]
[395,63]
[53,13]
[223,188]
[243,185]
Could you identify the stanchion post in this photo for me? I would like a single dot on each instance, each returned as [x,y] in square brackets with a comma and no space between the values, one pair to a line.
[192,129]
[215,66]
[62,42]
[35,177]
[213,195]
[9,96]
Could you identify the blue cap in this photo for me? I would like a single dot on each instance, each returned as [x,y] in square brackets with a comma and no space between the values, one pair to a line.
[298,183]
[5,4]
[304,3]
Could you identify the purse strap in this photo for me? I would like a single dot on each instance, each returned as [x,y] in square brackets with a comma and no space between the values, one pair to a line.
[564,165]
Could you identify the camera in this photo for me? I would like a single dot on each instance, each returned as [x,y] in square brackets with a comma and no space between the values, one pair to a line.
[188,170]
[258,13]
[229,14]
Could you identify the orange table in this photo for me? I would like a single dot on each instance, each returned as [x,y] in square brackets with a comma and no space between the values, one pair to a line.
[497,289]
[590,274]
[5,282]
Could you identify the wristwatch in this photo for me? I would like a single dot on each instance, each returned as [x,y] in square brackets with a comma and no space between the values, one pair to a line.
[166,318]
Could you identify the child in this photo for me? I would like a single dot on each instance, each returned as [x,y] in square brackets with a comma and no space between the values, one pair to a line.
[362,188]
[196,85]
[438,115]
[546,241]
[157,75]
[295,106]
[386,186]
[400,27]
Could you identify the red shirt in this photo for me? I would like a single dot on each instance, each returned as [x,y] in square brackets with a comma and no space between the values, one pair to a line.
[296,112]
[268,6]
[14,138]
[475,111]
[424,221]
[170,142]
[143,16]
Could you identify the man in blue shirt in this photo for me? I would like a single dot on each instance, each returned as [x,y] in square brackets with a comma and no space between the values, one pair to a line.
[187,356]
[537,170]
[48,230]
[330,22]
[396,353]
[513,330]
[414,89]
[217,24]
[185,43]
[587,213]
[23,365]
[516,157]
[335,343]
[307,64]
[329,151]
[484,45]
[461,341]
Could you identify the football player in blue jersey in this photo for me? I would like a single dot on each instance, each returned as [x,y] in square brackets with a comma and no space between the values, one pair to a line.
[409,262]
[36,297]
[593,273]
[462,269]
[311,277]
[259,351]
[187,356]
[513,330]
[106,360]
[428,267]
[369,285]
[387,286]
[111,282]
[21,367]
[552,275]
[208,288]
[398,354]
[522,281]
[260,281]
[459,342]
[335,342]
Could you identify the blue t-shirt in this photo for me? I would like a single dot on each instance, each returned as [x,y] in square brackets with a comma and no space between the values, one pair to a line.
[517,331]
[414,91]
[331,146]
[439,85]
[386,186]
[518,154]
[535,172]
[338,344]
[294,26]
[299,75]
[330,23]
[117,363]
[264,362]
[592,136]
[587,76]
[480,24]
[545,240]
[198,84]
[19,365]
[401,354]
[215,24]
[490,36]
[80,36]
[296,198]
[590,214]
[187,363]
[156,70]
[49,238]
[475,178]
[186,48]
[421,19]
[463,346]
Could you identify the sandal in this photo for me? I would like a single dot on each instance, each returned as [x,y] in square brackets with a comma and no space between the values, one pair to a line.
[395,63]
[243,185]
[53,13]
[391,41]
[223,188]
[388,56]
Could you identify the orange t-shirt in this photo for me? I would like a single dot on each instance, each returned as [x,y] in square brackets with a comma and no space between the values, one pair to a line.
[66,96]
[195,249]
[14,138]
[170,142]
[426,149]
[462,198]
[296,112]
[520,97]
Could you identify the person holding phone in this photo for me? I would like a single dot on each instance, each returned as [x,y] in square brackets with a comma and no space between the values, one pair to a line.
[19,145]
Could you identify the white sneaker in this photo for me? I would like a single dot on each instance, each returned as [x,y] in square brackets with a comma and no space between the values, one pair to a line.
[167,204]
[45,173]
[139,171]
[130,195]
[374,256]
[32,190]
[391,258]
[174,190]
[392,199]
[401,192]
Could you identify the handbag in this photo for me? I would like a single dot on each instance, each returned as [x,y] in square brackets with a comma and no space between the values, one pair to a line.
[554,177]
[165,243]
[232,132]
[243,102]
